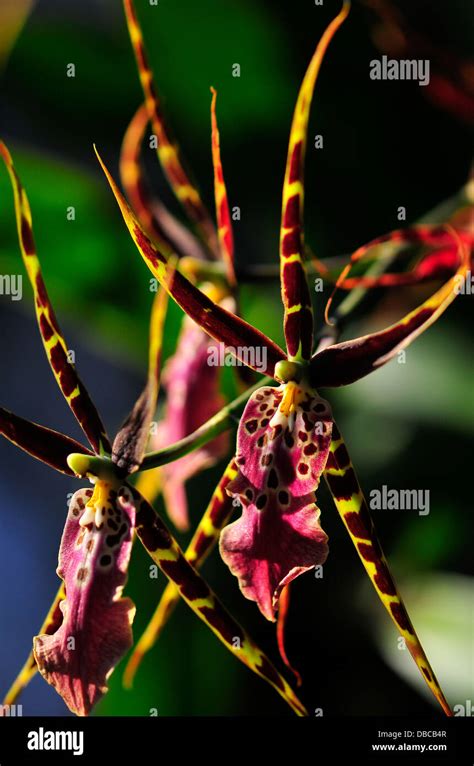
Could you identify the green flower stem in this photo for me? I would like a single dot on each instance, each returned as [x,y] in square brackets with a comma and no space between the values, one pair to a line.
[216,425]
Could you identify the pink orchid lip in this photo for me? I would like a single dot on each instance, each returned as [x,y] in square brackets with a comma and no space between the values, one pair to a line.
[95,631]
[282,447]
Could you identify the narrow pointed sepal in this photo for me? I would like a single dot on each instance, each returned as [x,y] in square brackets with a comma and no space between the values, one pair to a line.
[96,628]
[207,533]
[354,511]
[168,151]
[161,226]
[51,447]
[283,612]
[282,447]
[130,443]
[298,316]
[344,363]
[220,324]
[54,344]
[224,221]
[166,553]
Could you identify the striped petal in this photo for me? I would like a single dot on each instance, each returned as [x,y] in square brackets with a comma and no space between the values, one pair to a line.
[298,316]
[96,628]
[167,149]
[353,509]
[50,625]
[55,346]
[51,447]
[220,324]
[204,539]
[346,362]
[166,553]
[224,222]
[130,443]
[282,447]
[161,226]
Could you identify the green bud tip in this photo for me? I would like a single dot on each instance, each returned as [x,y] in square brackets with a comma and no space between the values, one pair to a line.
[78,463]
[286,371]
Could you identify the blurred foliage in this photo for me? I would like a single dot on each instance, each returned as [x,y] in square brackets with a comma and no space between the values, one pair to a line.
[443,604]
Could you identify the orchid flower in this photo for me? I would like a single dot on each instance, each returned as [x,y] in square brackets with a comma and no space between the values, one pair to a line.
[88,627]
[287,437]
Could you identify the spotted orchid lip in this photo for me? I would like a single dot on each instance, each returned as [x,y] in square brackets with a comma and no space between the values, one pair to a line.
[283,443]
[95,631]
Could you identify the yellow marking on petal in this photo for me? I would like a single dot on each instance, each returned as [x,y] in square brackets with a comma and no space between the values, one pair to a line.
[294,309]
[293,395]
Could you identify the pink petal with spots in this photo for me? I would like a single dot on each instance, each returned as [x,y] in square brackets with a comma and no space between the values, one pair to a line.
[96,629]
[295,447]
[193,396]
[266,549]
[280,459]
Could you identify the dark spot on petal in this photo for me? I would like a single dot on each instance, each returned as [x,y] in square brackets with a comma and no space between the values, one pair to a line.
[105,560]
[113,540]
[303,468]
[251,425]
[283,497]
[272,482]
[310,449]
[276,431]
[261,502]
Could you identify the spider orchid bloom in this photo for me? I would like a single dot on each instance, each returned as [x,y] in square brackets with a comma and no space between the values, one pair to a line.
[188,371]
[88,627]
[287,437]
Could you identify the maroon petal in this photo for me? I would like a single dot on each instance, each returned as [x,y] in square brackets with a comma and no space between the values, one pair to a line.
[96,628]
